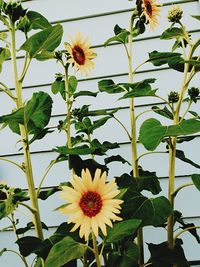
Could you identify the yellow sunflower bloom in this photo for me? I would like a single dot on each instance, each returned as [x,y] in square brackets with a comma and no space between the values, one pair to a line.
[91,203]
[151,10]
[80,55]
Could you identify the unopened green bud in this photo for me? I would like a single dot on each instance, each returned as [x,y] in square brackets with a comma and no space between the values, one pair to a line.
[173,97]
[14,10]
[175,14]
[193,92]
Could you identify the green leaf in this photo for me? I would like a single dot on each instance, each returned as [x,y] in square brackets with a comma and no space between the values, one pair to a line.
[85,93]
[3,35]
[121,230]
[121,36]
[79,150]
[28,245]
[45,40]
[45,55]
[161,58]
[180,155]
[59,87]
[172,33]
[165,112]
[110,87]
[140,89]
[37,20]
[72,85]
[4,55]
[116,158]
[64,251]
[47,193]
[35,114]
[196,180]
[152,131]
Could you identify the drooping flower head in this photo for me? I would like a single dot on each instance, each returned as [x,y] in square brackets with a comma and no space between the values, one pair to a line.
[91,203]
[80,55]
[150,10]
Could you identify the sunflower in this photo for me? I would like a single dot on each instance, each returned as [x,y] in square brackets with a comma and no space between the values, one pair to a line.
[150,10]
[80,55]
[91,203]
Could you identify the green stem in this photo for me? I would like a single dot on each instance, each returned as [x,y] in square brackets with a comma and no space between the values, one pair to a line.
[68,102]
[151,152]
[125,129]
[90,140]
[185,230]
[6,90]
[186,111]
[12,162]
[44,176]
[22,258]
[96,252]
[24,137]
[172,154]
[174,194]
[133,134]
[27,206]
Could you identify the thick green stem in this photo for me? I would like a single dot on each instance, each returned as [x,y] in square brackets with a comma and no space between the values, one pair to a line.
[134,136]
[172,154]
[24,137]
[96,252]
[68,102]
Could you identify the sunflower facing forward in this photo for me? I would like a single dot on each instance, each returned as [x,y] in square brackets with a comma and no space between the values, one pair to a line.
[80,55]
[92,203]
[150,10]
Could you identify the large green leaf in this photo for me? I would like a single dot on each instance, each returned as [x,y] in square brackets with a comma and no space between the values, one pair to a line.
[28,244]
[37,20]
[45,40]
[152,131]
[35,114]
[64,251]
[121,230]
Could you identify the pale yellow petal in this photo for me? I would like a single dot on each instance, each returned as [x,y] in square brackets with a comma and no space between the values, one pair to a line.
[94,226]
[70,194]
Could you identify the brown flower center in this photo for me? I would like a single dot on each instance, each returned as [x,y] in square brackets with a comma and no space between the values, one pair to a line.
[148,8]
[78,55]
[91,203]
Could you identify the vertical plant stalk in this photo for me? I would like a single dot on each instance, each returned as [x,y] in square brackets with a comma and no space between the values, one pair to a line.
[96,252]
[172,156]
[68,102]
[134,136]
[24,137]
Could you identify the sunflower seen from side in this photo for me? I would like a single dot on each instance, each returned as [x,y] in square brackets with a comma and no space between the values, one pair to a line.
[80,55]
[150,10]
[91,203]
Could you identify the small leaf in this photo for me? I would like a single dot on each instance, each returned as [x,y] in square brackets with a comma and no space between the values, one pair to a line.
[59,87]
[4,55]
[45,40]
[85,93]
[72,85]
[196,180]
[181,155]
[121,230]
[121,36]
[110,87]
[172,33]
[161,58]
[64,251]
[47,193]
[165,112]
[196,17]
[116,158]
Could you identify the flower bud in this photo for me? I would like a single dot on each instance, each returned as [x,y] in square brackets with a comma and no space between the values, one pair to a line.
[173,97]
[175,14]
[14,10]
[193,92]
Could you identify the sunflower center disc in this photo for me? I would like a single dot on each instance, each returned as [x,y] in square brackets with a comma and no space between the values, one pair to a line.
[91,203]
[78,54]
[149,8]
